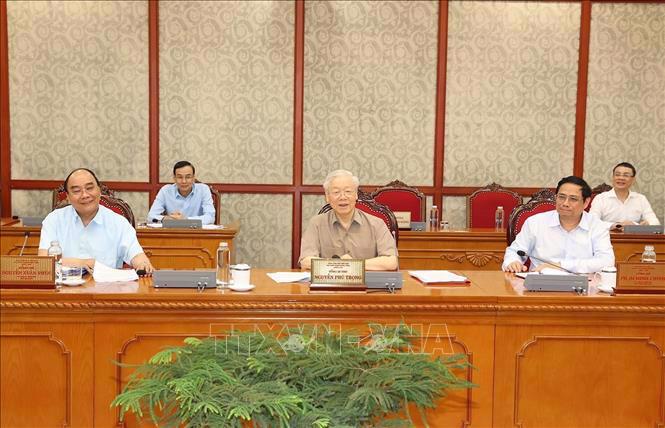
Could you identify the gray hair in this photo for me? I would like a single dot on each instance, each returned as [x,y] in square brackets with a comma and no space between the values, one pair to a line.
[340,173]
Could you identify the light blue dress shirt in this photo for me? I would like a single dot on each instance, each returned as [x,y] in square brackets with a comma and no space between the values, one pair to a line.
[108,238]
[585,249]
[197,205]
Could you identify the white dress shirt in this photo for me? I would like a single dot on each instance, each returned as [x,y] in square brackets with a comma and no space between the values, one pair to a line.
[585,249]
[108,238]
[610,209]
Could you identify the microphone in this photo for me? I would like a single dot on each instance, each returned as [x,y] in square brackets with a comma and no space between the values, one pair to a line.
[524,254]
[335,256]
[25,241]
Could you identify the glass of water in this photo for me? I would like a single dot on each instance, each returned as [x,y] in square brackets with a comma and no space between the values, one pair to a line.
[72,275]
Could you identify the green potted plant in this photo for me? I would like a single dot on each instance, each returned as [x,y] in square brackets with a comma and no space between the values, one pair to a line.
[306,376]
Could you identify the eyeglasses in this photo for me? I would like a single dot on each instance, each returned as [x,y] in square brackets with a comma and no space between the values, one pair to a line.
[560,197]
[77,191]
[624,174]
[348,193]
[184,177]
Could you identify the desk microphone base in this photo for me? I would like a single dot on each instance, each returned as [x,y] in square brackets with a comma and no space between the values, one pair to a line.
[557,283]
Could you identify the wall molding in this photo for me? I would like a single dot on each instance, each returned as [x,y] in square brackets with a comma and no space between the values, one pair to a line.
[315,306]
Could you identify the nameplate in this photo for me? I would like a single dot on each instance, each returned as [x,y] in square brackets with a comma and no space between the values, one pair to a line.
[338,272]
[403,219]
[640,278]
[27,272]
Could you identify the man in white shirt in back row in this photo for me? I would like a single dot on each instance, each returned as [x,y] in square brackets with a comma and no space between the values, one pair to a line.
[569,238]
[620,206]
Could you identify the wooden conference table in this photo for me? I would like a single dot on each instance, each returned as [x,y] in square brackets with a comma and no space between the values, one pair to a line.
[167,248]
[542,359]
[483,249]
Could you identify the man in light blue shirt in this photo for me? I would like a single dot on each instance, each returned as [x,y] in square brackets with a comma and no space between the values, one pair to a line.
[568,238]
[87,231]
[184,199]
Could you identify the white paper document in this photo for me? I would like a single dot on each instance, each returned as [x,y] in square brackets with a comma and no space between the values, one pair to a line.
[289,276]
[432,276]
[205,226]
[114,287]
[103,273]
[212,226]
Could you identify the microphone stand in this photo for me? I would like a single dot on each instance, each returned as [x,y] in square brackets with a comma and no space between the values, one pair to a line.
[25,241]
[524,254]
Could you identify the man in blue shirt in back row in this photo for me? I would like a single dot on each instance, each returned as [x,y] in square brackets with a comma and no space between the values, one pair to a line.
[184,199]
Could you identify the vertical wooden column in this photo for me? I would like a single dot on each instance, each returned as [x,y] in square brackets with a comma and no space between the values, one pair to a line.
[582,82]
[440,117]
[298,93]
[153,97]
[5,151]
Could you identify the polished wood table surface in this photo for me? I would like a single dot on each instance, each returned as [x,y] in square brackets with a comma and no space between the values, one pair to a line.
[166,248]
[483,249]
[541,359]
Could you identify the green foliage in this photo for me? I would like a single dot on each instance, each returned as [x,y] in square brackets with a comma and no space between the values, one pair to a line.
[307,376]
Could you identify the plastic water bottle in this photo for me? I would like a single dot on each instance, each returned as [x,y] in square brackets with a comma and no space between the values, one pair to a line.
[56,252]
[223,265]
[649,254]
[499,216]
[434,218]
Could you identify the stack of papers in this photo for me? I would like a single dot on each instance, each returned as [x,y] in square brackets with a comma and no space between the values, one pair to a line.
[289,276]
[103,273]
[205,226]
[212,226]
[434,276]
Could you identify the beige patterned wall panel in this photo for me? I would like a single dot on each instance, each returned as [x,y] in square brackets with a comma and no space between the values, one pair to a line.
[31,203]
[78,88]
[511,92]
[370,87]
[311,204]
[626,97]
[265,228]
[454,211]
[226,89]
[138,202]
